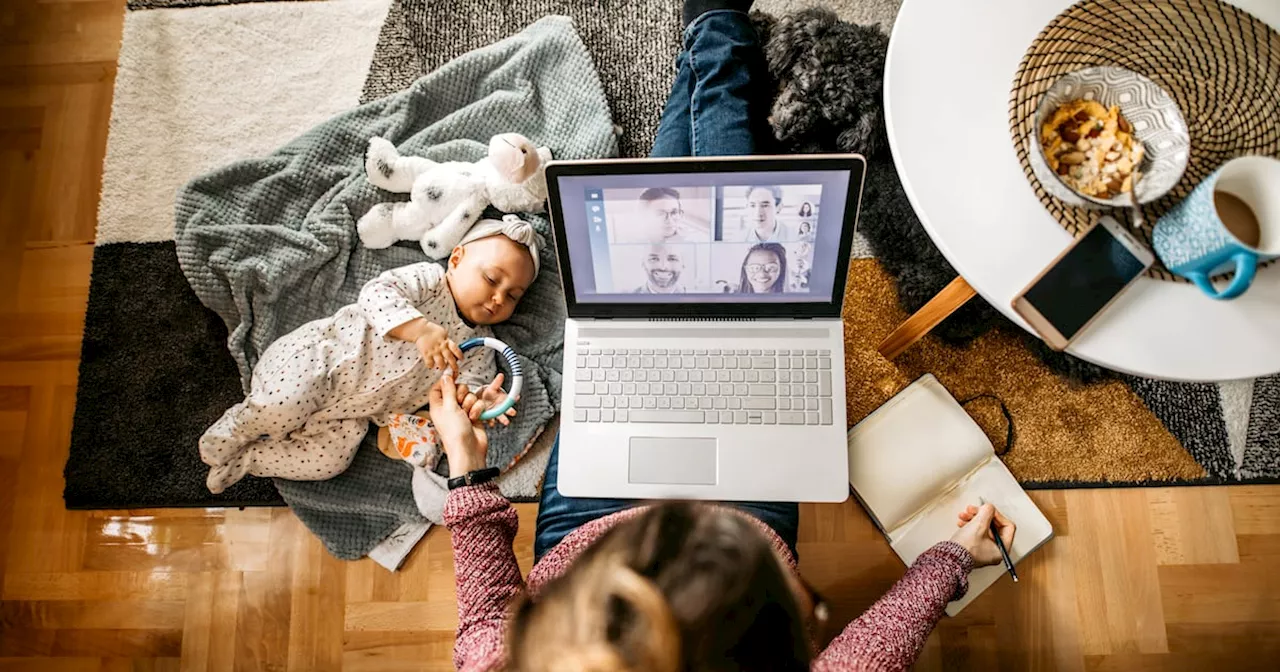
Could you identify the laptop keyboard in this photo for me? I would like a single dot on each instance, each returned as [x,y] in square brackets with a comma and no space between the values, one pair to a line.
[703,386]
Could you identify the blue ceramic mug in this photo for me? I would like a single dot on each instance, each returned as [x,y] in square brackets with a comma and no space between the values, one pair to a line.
[1231,220]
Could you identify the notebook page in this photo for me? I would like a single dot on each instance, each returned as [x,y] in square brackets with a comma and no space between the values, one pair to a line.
[995,484]
[911,450]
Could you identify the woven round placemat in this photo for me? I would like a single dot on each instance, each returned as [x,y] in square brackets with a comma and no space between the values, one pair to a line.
[1218,62]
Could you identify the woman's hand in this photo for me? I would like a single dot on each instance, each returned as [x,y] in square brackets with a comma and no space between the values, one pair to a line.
[489,396]
[975,533]
[465,442]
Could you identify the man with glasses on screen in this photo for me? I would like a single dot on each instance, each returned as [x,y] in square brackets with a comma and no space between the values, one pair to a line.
[664,215]
[662,266]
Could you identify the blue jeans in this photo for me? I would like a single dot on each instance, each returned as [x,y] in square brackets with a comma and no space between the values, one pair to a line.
[719,104]
[718,107]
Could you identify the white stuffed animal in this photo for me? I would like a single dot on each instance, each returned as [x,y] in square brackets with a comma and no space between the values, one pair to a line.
[445,199]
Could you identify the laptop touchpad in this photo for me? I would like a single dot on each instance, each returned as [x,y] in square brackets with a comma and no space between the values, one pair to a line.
[675,460]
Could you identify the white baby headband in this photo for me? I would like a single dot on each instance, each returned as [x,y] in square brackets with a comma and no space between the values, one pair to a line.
[512,227]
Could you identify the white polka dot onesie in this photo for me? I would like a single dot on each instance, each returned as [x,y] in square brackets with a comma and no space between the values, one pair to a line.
[315,390]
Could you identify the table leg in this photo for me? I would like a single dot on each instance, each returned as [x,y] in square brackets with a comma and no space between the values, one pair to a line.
[945,302]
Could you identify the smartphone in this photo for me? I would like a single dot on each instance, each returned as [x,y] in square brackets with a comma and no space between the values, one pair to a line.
[1077,286]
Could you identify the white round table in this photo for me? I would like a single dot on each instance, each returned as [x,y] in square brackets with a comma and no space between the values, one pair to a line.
[947,80]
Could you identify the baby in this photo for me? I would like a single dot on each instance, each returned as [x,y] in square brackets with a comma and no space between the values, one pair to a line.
[315,389]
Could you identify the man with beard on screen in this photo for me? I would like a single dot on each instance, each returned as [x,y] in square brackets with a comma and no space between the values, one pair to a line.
[662,266]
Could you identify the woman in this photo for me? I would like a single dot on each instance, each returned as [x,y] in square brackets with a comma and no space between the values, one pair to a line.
[616,586]
[805,230]
[806,210]
[670,587]
[764,270]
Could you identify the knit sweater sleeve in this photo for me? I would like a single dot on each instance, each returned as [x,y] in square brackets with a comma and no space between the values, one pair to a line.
[890,635]
[483,526]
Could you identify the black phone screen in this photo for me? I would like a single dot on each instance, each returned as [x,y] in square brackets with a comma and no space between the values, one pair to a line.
[1084,280]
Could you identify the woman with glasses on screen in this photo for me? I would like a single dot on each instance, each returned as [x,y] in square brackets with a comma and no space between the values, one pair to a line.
[617,585]
[764,270]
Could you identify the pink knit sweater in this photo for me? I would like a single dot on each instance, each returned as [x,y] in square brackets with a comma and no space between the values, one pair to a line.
[888,636]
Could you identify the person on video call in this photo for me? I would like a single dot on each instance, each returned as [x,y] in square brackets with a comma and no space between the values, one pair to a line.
[764,270]
[621,585]
[664,216]
[762,225]
[662,266]
[800,272]
[805,230]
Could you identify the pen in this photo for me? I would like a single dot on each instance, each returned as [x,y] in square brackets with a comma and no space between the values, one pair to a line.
[1004,552]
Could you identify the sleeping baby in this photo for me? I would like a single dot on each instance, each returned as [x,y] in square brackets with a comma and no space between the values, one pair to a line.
[315,390]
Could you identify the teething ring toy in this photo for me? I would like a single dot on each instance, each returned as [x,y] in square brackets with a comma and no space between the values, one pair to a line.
[513,365]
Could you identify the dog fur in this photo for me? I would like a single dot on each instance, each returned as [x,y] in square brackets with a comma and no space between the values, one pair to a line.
[828,77]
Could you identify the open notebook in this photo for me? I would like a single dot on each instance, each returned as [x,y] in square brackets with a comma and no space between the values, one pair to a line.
[918,460]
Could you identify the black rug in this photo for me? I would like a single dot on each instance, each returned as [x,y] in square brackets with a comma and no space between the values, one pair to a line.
[154,373]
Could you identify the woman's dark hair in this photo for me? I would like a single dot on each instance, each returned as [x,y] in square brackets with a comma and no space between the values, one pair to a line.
[679,587]
[806,209]
[744,284]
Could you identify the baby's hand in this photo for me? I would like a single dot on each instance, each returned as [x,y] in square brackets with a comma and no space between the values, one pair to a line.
[437,350]
[489,396]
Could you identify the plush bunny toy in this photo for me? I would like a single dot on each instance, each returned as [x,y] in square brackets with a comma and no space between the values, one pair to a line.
[445,199]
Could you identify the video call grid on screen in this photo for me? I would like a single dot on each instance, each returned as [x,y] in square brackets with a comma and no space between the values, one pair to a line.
[734,237]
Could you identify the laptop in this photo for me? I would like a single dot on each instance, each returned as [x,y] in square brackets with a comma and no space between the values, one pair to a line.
[704,349]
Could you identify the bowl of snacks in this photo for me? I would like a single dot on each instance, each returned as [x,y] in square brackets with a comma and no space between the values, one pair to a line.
[1108,136]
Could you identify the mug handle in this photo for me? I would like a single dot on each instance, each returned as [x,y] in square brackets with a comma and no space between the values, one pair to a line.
[1246,268]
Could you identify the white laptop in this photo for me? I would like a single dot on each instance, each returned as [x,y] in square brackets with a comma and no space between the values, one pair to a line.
[704,349]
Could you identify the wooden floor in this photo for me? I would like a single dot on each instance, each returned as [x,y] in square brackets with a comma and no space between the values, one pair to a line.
[1178,579]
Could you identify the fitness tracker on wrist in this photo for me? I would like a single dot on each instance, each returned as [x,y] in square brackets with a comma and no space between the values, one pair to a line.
[473,478]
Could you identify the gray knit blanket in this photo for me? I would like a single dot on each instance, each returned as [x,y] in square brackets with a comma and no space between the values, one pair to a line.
[270,243]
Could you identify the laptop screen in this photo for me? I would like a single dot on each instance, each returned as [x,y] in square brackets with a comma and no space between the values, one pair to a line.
[733,237]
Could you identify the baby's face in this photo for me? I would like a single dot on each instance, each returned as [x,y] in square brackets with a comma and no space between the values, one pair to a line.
[488,277]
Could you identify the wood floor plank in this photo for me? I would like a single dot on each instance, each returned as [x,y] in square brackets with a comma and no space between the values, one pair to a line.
[265,604]
[368,651]
[1037,618]
[1178,662]
[1191,526]
[91,585]
[43,535]
[91,614]
[210,619]
[401,616]
[315,630]
[60,32]
[1255,509]
[1119,607]
[76,642]
[1244,592]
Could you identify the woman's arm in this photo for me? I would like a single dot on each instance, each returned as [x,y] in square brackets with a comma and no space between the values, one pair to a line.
[890,635]
[483,525]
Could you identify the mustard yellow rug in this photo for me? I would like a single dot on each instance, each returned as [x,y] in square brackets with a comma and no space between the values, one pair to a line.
[1065,433]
